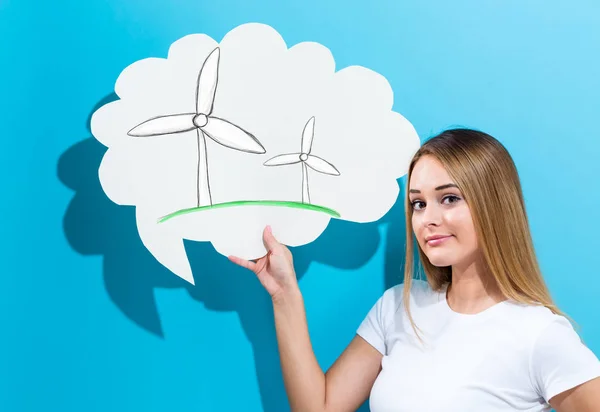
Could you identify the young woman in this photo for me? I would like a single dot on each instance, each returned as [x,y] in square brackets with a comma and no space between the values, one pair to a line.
[481,333]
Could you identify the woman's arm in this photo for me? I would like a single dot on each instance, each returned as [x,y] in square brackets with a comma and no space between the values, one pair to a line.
[344,387]
[582,398]
[348,382]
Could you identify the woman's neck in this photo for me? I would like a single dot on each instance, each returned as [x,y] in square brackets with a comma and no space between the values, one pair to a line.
[472,289]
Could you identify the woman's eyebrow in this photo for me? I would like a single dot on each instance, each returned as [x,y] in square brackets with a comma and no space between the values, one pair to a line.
[442,187]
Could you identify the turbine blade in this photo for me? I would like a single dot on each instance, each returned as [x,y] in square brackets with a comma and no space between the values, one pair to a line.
[207,83]
[307,135]
[174,123]
[284,159]
[232,136]
[321,165]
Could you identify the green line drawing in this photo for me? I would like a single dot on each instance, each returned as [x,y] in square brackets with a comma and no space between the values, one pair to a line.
[278,203]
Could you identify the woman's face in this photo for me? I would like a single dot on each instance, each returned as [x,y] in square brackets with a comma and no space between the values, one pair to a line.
[441,218]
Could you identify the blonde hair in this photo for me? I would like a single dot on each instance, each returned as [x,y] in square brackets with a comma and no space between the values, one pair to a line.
[487,177]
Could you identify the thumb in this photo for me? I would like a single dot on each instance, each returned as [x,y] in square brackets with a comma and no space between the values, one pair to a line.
[270,241]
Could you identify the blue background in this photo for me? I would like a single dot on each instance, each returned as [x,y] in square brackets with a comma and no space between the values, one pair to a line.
[90,322]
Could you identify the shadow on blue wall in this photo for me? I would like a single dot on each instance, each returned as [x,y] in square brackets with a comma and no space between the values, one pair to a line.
[94,225]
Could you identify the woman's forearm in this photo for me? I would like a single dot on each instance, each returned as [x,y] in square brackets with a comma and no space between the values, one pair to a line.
[303,377]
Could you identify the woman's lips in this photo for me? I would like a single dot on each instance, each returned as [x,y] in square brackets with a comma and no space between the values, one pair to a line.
[437,240]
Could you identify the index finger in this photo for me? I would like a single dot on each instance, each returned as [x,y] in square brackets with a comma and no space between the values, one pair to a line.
[243,262]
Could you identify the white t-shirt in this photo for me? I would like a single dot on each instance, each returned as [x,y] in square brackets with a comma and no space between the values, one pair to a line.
[510,357]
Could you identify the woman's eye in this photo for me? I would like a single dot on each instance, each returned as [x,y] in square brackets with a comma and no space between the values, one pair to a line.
[417,204]
[451,199]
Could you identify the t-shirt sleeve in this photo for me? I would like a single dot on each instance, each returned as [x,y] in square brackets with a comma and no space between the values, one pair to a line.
[560,360]
[374,327]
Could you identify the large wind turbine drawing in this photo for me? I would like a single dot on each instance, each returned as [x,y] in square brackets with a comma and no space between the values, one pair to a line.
[205,125]
[306,158]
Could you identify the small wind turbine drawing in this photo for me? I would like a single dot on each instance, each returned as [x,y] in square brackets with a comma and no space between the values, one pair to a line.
[306,158]
[205,125]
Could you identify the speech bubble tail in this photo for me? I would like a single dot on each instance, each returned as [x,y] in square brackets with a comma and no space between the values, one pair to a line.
[166,247]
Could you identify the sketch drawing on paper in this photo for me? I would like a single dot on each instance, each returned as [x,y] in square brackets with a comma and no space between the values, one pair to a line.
[257,95]
[225,133]
[306,158]
[219,130]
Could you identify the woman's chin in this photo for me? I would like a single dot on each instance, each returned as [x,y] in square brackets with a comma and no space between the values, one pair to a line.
[440,259]
[441,264]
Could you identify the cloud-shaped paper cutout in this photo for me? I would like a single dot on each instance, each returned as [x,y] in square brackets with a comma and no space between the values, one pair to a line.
[220,139]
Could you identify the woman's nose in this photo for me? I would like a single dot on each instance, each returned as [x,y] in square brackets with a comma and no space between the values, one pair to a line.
[432,215]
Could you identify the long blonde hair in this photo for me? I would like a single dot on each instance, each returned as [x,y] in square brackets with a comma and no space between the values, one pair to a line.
[487,177]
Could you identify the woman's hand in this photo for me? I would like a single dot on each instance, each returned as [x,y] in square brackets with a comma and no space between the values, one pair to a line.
[275,270]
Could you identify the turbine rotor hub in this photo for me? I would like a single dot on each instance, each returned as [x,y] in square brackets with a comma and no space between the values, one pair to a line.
[200,120]
[303,157]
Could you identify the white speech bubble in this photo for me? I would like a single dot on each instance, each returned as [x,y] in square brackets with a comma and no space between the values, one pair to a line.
[218,140]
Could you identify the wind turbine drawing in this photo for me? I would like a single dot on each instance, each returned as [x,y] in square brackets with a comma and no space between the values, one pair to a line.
[205,125]
[306,158]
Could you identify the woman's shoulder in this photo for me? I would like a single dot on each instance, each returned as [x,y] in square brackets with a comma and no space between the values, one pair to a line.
[534,312]
[534,319]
